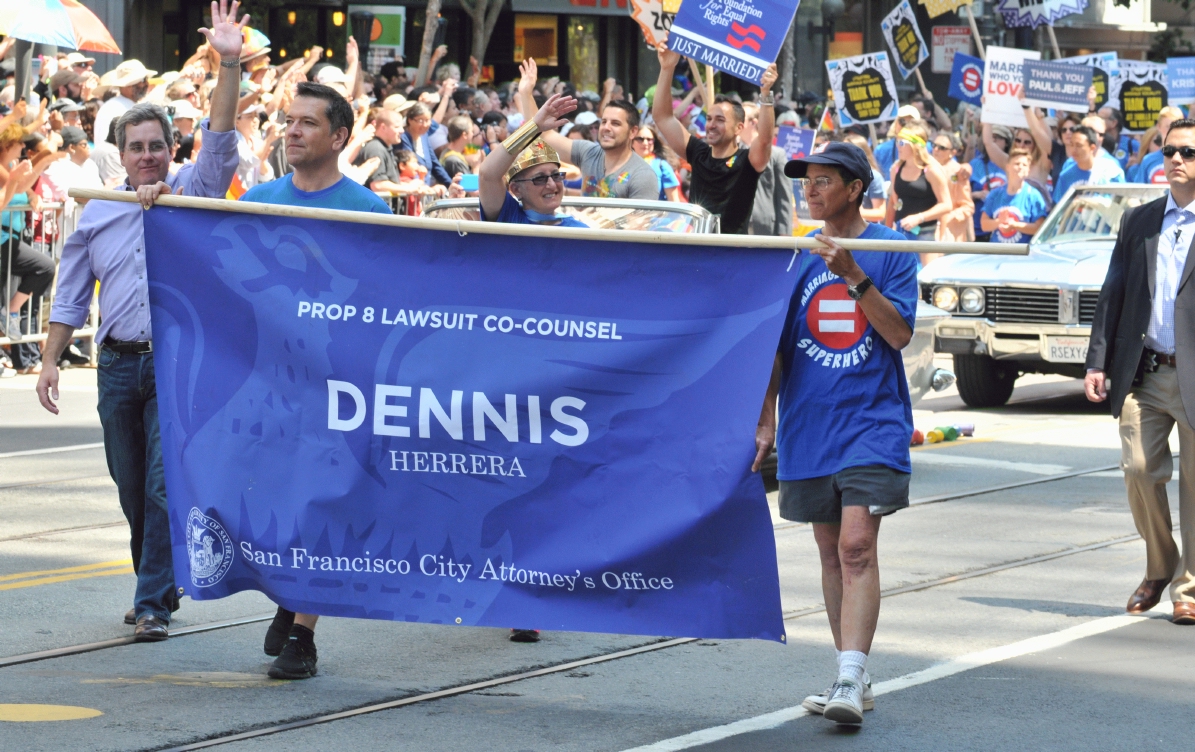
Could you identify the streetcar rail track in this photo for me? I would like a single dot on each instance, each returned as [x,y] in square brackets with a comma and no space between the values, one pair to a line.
[316,720]
[60,530]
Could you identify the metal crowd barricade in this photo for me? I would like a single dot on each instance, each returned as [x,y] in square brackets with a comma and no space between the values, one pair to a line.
[406,204]
[45,231]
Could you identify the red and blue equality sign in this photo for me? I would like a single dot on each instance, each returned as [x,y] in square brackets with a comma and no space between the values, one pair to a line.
[966,79]
[739,37]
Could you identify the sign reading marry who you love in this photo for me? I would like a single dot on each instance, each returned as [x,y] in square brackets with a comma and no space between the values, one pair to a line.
[408,424]
[739,37]
[904,38]
[1002,83]
[863,87]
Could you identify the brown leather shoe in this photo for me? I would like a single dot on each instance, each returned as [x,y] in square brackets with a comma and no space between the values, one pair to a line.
[130,617]
[1184,612]
[1147,595]
[150,629]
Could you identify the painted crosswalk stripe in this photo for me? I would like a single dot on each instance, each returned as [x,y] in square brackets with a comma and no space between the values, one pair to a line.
[954,460]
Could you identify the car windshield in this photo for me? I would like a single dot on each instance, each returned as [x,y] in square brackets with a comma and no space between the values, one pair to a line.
[600,215]
[1093,213]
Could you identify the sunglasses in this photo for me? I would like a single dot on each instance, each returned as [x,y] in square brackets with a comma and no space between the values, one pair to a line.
[943,147]
[539,181]
[644,139]
[1187,152]
[1069,129]
[1023,142]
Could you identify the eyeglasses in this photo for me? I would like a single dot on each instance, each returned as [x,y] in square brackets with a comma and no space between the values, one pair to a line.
[1187,152]
[943,147]
[821,183]
[644,139]
[1069,128]
[539,181]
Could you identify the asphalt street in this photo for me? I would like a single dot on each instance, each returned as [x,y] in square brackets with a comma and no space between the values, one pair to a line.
[1002,625]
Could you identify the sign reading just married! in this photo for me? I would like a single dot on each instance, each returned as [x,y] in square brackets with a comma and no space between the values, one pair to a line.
[739,37]
[415,424]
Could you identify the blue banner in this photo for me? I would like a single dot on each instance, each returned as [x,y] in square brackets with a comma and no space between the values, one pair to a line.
[1180,76]
[796,142]
[966,79]
[511,431]
[739,37]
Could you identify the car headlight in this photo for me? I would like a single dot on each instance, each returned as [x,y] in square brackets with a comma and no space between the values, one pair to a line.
[946,298]
[972,300]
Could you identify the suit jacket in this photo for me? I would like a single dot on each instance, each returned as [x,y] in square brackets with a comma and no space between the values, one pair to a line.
[1122,312]
[436,174]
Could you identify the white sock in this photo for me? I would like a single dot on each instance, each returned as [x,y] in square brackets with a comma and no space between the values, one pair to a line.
[851,664]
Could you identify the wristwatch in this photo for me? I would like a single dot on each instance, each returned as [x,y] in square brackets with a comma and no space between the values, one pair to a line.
[856,291]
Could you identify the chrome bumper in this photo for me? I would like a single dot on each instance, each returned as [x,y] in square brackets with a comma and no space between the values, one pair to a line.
[1003,341]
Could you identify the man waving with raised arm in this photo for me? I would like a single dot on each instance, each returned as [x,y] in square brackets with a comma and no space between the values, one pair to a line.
[109,246]
[725,175]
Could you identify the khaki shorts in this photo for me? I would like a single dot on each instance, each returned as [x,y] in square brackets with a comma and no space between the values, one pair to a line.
[821,499]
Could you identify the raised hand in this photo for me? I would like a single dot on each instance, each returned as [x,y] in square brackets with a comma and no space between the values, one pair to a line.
[769,78]
[528,76]
[668,58]
[551,115]
[351,53]
[225,35]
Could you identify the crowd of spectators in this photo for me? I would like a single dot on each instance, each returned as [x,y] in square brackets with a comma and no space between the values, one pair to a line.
[936,175]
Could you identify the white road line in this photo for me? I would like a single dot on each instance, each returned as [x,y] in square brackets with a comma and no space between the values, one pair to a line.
[940,458]
[933,673]
[51,450]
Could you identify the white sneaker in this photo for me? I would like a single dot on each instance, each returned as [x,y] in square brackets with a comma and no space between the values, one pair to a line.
[817,703]
[845,704]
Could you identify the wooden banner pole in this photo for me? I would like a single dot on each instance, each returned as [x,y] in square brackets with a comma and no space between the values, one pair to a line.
[464,227]
[975,31]
[709,81]
[700,84]
[920,80]
[1054,41]
[871,131]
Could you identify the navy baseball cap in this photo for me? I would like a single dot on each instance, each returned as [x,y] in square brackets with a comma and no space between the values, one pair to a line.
[847,156]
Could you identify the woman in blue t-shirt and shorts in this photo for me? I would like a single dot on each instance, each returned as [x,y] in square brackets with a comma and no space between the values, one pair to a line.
[845,416]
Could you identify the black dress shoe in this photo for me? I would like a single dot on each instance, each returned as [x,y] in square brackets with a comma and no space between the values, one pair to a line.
[524,635]
[130,617]
[279,631]
[150,629]
[297,660]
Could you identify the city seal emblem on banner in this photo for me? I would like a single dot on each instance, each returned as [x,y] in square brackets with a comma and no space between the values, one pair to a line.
[209,548]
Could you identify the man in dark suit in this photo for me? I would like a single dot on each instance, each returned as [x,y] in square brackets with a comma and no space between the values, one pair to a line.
[1142,356]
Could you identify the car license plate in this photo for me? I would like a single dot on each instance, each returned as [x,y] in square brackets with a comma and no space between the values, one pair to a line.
[1066,349]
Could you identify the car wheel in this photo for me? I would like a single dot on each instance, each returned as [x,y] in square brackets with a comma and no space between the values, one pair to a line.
[983,382]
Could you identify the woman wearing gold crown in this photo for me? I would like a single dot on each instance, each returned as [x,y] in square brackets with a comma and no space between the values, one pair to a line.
[527,190]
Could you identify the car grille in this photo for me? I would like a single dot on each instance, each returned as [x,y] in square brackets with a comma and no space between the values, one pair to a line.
[1020,304]
[1087,300]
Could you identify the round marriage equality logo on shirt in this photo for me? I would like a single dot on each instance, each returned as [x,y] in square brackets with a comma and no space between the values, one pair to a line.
[834,320]
[1013,213]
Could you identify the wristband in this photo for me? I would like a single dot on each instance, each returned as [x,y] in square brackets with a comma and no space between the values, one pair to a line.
[516,142]
[230,63]
[767,101]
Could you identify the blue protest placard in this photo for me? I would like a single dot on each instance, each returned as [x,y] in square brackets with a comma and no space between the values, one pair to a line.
[966,79]
[796,142]
[1180,76]
[739,37]
[1062,86]
[467,429]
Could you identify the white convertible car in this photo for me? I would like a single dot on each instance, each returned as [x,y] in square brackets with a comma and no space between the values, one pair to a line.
[1012,315]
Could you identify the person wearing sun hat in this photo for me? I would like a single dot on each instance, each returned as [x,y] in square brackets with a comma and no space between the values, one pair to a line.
[845,416]
[255,53]
[132,79]
[520,180]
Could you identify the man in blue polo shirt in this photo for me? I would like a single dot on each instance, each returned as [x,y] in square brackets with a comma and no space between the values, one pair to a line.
[845,412]
[318,125]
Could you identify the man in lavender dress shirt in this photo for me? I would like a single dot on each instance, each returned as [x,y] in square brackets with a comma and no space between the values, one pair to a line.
[109,246]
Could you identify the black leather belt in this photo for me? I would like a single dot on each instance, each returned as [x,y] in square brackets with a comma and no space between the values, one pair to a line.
[129,348]
[1162,359]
